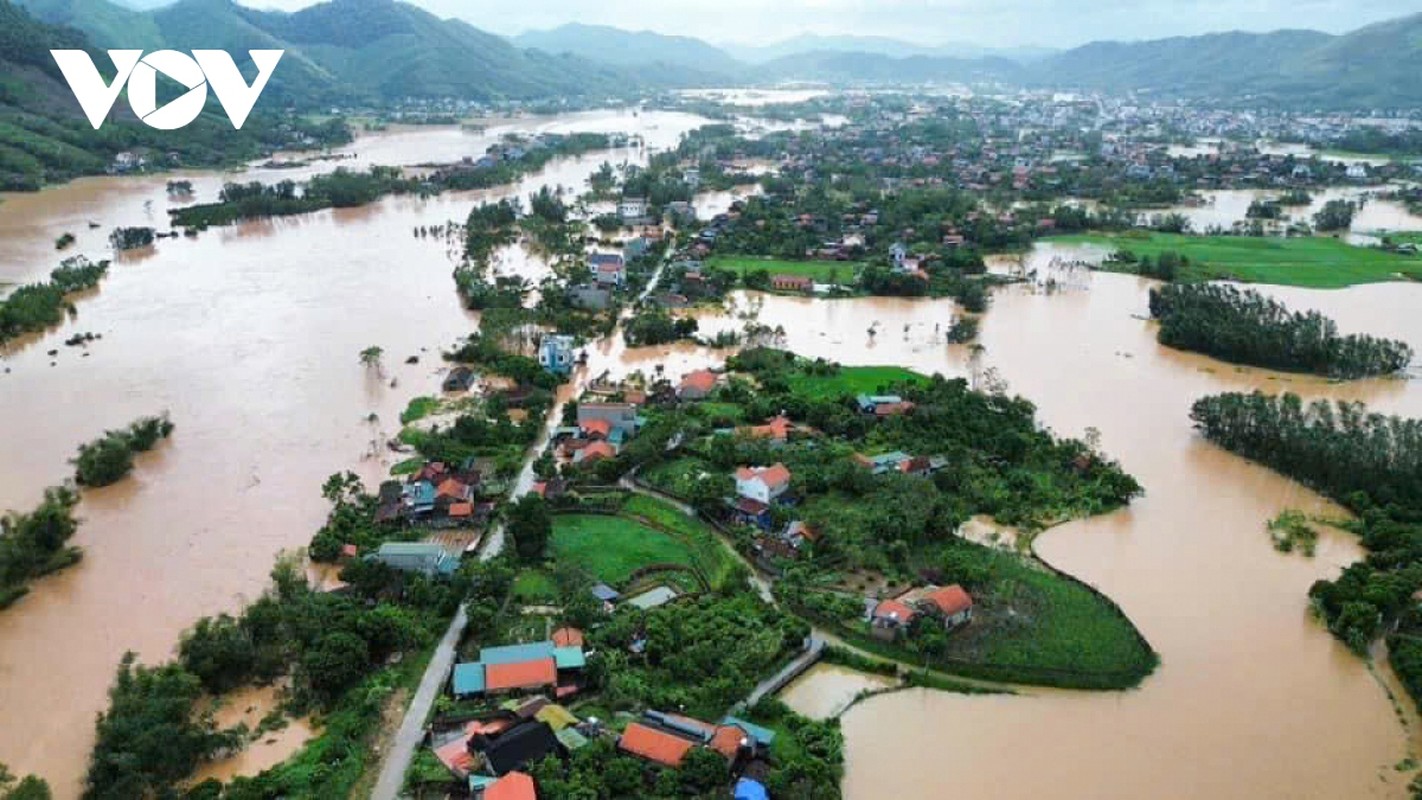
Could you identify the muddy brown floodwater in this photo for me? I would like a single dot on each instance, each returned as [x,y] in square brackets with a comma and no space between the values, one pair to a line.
[248,336]
[1253,698]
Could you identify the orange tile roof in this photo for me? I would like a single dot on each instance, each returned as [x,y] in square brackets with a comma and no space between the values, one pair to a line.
[704,380]
[456,756]
[895,609]
[598,450]
[771,476]
[452,488]
[491,727]
[520,675]
[513,786]
[776,475]
[461,509]
[777,429]
[568,637]
[599,426]
[951,599]
[727,740]
[654,745]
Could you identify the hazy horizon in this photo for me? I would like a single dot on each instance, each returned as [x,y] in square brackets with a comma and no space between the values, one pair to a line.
[926,23]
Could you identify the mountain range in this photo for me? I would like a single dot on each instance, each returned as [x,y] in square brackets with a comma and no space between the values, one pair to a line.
[353,50]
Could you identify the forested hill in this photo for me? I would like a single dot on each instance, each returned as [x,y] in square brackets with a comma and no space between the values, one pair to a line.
[350,50]
[44,136]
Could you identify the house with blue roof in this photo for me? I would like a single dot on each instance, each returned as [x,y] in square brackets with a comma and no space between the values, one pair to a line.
[419,497]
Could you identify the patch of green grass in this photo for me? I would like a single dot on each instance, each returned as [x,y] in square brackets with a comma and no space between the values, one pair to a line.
[1316,262]
[710,552]
[418,409]
[713,410]
[612,548]
[819,271]
[534,586]
[407,467]
[849,380]
[677,476]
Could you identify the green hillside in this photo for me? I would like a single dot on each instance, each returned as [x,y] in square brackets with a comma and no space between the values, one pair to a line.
[345,51]
[45,138]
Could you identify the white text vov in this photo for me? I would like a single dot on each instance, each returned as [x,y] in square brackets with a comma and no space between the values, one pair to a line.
[140,73]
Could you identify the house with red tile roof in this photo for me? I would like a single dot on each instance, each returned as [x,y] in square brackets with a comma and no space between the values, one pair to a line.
[890,619]
[697,385]
[763,484]
[666,738]
[596,428]
[952,603]
[655,745]
[594,452]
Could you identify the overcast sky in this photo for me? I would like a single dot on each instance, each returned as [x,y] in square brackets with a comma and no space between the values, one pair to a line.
[1053,23]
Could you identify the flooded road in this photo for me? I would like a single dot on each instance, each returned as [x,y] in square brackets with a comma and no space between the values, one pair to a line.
[249,337]
[1253,698]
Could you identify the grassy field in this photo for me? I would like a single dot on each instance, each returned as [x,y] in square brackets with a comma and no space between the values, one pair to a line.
[819,271]
[612,548]
[1314,262]
[1034,618]
[849,380]
[709,551]
[534,586]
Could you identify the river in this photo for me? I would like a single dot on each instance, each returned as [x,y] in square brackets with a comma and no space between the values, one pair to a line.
[248,336]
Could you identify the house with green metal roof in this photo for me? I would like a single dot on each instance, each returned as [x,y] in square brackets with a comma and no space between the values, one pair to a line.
[516,653]
[427,557]
[468,680]
[569,657]
[761,735]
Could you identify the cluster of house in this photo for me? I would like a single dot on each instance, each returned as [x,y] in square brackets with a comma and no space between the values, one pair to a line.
[891,619]
[601,430]
[491,751]
[436,495]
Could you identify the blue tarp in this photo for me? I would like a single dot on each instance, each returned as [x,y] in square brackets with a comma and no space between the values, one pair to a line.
[747,789]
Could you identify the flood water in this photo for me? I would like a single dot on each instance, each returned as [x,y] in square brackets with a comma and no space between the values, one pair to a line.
[1253,698]
[826,690]
[1225,207]
[248,336]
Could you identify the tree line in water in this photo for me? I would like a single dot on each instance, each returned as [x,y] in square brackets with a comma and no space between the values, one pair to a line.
[36,306]
[1244,327]
[1368,462]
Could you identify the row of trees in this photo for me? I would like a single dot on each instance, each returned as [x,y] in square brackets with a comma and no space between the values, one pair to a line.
[1370,463]
[1245,327]
[109,458]
[37,306]
[35,544]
